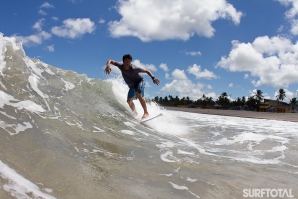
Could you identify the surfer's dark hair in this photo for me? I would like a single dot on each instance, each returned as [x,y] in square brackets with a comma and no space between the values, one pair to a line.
[127,56]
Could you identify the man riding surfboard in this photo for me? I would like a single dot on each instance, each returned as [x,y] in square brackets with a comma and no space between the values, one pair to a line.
[134,80]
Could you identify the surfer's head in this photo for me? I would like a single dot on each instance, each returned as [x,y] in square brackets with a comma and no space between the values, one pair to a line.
[126,56]
[127,60]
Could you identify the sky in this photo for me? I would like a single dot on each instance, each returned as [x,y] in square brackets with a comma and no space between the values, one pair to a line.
[194,47]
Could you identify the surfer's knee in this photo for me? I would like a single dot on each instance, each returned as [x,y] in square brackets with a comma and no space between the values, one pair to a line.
[139,95]
[129,100]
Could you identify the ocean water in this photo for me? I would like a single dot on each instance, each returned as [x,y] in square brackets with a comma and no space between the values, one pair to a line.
[64,135]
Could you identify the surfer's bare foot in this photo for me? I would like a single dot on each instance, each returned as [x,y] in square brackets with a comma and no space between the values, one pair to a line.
[145,115]
[135,114]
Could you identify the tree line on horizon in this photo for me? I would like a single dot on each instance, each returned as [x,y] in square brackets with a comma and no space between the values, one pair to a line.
[223,101]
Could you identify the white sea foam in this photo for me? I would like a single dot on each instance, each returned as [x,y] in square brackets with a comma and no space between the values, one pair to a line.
[48,190]
[68,85]
[129,124]
[194,194]
[33,80]
[249,136]
[27,104]
[166,144]
[184,152]
[191,180]
[2,53]
[175,186]
[20,187]
[168,175]
[178,187]
[20,127]
[78,124]
[47,69]
[165,155]
[167,123]
[127,132]
[241,139]
[97,130]
[8,115]
[36,70]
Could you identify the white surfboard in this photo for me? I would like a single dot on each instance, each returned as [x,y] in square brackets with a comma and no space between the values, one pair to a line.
[150,118]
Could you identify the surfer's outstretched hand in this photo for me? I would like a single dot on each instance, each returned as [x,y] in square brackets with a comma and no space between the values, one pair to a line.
[108,69]
[156,81]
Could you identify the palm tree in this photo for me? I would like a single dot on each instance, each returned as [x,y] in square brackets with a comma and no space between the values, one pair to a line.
[210,101]
[223,100]
[281,94]
[176,101]
[171,100]
[251,103]
[243,101]
[224,95]
[204,97]
[293,103]
[237,103]
[259,97]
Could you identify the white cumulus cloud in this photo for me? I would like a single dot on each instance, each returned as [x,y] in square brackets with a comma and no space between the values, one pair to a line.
[42,12]
[55,18]
[51,48]
[101,21]
[38,25]
[33,39]
[150,67]
[167,76]
[164,67]
[184,87]
[74,28]
[179,74]
[193,53]
[181,85]
[170,19]
[196,70]
[47,5]
[271,61]
[291,14]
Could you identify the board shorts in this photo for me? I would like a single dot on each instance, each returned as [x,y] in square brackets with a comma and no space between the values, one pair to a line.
[140,87]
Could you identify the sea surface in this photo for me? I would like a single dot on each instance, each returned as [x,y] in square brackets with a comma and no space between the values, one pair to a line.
[64,135]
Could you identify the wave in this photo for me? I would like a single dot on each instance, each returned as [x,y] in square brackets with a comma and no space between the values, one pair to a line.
[61,122]
[64,135]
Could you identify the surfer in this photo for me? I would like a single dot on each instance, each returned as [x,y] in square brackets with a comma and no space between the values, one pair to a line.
[134,80]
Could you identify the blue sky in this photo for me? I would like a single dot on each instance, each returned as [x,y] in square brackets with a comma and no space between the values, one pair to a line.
[193,47]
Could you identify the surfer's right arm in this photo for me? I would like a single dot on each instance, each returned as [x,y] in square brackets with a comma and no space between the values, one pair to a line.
[108,68]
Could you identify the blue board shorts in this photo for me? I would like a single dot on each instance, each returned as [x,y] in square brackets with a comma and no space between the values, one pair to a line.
[140,87]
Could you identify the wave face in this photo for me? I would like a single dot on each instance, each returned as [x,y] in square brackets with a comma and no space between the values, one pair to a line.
[64,135]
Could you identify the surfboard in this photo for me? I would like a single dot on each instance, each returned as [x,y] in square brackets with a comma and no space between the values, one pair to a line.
[150,118]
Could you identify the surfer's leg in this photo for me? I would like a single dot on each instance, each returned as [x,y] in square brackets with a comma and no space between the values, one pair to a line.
[132,106]
[140,96]
[143,103]
[130,97]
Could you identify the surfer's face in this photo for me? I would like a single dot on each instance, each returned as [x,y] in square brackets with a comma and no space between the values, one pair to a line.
[126,63]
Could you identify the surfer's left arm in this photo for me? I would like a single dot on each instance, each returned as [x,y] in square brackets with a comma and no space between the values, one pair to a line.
[108,68]
[154,79]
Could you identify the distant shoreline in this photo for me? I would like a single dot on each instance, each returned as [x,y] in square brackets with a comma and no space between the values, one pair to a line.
[291,117]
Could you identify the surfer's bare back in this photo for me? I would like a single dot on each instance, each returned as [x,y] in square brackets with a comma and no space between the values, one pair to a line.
[134,80]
